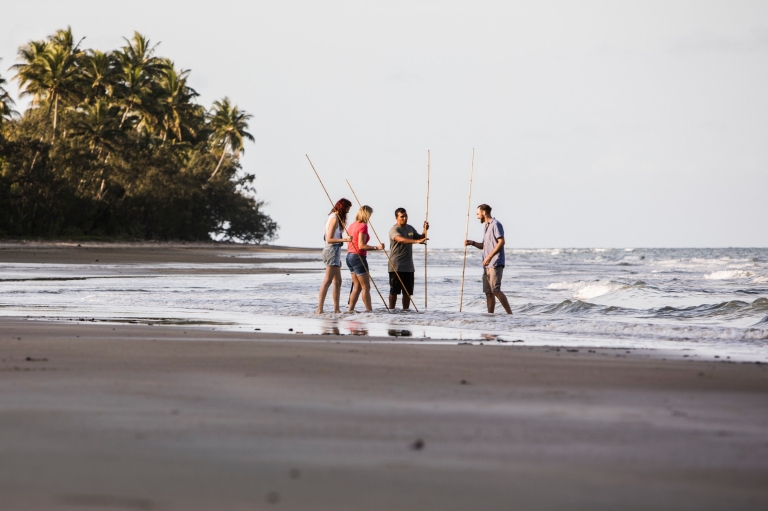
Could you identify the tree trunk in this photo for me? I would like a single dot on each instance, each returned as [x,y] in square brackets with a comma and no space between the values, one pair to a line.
[125,114]
[55,116]
[102,190]
[37,153]
[223,154]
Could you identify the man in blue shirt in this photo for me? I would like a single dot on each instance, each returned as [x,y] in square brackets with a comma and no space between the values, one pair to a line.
[493,258]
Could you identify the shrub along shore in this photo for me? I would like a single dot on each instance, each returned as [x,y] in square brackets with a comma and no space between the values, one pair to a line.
[114,146]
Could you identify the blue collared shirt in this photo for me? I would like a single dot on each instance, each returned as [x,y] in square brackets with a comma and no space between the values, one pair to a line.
[493,231]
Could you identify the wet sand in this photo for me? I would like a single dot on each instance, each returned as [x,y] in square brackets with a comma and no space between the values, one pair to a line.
[96,416]
[214,255]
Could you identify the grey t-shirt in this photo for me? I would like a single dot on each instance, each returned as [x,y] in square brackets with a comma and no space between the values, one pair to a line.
[493,231]
[401,254]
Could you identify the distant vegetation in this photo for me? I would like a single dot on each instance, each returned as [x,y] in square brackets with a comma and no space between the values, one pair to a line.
[114,145]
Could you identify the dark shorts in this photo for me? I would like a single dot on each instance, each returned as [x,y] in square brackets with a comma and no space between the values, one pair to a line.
[395,288]
[492,279]
[355,265]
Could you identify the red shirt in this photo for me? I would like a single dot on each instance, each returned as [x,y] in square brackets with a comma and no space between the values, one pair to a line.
[354,231]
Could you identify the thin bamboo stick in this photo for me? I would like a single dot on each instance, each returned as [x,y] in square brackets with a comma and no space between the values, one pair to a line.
[466,231]
[385,250]
[341,222]
[426,219]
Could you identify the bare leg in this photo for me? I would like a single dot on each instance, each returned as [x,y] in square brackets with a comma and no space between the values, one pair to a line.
[355,292]
[324,288]
[336,288]
[365,283]
[504,302]
[392,302]
[406,301]
[491,301]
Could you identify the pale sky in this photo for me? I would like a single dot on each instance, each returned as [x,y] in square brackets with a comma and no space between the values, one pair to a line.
[595,124]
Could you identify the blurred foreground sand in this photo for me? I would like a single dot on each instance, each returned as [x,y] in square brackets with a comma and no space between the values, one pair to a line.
[96,416]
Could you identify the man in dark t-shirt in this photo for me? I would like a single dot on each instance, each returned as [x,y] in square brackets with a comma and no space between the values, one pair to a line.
[402,237]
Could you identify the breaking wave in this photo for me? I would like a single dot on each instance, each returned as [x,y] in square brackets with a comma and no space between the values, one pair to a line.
[734,308]
[728,274]
[587,290]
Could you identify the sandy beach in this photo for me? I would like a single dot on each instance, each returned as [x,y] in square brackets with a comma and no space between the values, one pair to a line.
[213,255]
[107,415]
[96,416]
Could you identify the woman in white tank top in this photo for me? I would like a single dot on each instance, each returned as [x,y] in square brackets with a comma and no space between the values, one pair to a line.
[334,229]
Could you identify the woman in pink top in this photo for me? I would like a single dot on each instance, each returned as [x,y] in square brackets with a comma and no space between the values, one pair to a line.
[357,260]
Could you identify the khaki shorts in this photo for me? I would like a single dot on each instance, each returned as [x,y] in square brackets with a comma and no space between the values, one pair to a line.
[492,279]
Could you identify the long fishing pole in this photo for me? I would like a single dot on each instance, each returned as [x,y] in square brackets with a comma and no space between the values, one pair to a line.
[426,219]
[341,222]
[466,231]
[385,251]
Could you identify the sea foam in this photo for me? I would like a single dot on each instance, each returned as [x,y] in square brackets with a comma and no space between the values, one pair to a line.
[728,274]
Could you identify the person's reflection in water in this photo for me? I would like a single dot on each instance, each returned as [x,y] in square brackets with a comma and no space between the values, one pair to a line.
[399,333]
[331,330]
[356,328]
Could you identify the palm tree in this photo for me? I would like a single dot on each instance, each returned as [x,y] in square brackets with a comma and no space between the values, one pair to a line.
[6,102]
[100,74]
[49,75]
[140,70]
[28,70]
[179,112]
[97,124]
[228,125]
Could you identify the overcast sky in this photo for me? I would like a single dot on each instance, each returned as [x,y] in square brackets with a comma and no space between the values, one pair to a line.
[595,124]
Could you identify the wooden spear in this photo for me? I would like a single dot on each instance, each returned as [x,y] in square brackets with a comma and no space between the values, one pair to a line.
[426,219]
[466,231]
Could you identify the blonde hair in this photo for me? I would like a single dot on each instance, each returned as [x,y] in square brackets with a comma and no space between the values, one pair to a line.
[364,214]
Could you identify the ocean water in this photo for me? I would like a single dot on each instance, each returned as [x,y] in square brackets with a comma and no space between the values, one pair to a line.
[702,302]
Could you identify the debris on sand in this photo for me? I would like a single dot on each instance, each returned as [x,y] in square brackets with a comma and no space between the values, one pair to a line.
[418,444]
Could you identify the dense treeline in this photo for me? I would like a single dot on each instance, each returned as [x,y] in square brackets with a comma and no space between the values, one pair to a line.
[114,145]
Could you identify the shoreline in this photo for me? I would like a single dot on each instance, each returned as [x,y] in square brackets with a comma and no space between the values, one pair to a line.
[43,267]
[213,253]
[99,414]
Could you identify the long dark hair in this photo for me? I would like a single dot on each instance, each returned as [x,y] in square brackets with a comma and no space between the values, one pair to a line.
[342,208]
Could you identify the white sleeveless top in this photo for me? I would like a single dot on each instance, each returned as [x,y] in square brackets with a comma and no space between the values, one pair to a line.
[337,231]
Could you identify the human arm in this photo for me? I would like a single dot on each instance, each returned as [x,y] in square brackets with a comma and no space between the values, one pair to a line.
[407,241]
[417,239]
[329,232]
[470,243]
[361,243]
[496,250]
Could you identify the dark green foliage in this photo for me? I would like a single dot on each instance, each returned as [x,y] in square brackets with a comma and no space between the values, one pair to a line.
[113,145]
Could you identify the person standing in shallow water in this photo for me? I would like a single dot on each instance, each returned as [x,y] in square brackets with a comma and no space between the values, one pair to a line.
[357,260]
[332,253]
[493,258]
[402,237]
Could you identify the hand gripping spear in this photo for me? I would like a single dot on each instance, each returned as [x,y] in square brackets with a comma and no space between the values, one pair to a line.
[385,252]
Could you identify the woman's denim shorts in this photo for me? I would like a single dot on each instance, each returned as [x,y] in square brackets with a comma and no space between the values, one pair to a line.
[332,254]
[355,265]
